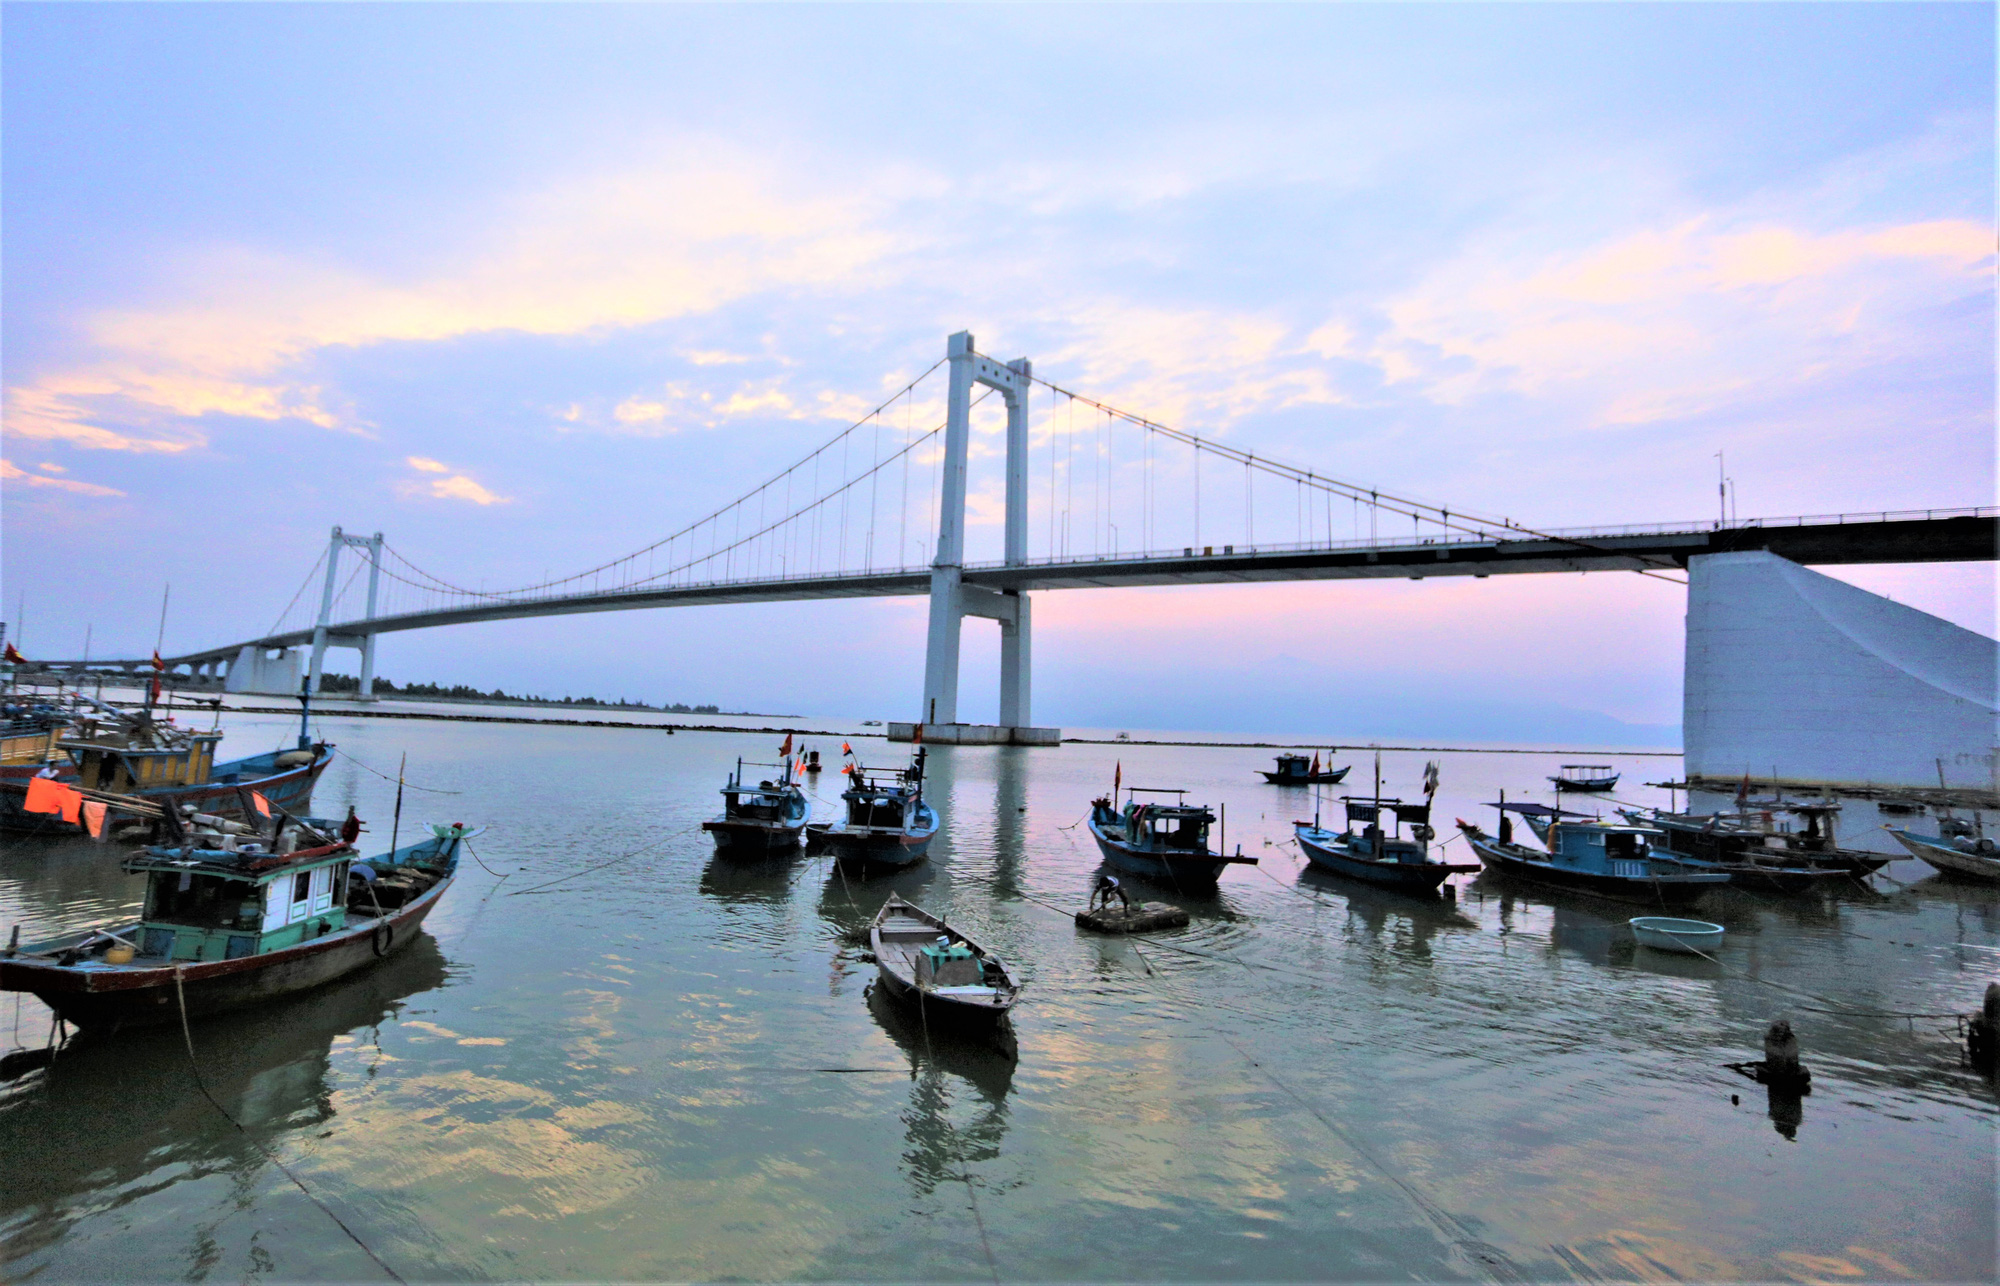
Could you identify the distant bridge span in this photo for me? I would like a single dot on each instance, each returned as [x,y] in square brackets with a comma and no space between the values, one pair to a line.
[1918,536]
[826,511]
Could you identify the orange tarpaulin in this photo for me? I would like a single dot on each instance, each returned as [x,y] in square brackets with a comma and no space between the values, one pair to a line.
[47,795]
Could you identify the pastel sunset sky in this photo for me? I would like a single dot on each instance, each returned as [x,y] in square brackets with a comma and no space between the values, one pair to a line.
[527,287]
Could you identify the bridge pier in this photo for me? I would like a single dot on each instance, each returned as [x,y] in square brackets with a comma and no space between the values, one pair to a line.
[952,600]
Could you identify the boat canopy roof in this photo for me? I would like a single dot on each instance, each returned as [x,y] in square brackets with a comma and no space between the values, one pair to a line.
[1541,810]
[250,867]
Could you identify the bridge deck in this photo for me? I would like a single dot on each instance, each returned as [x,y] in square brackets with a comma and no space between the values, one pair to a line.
[1946,536]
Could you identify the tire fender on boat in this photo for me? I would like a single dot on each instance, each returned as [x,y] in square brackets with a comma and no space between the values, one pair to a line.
[383,938]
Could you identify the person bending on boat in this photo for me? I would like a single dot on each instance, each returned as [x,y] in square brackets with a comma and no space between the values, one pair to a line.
[1108,888]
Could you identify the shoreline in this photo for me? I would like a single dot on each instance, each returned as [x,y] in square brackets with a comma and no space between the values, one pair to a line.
[823,732]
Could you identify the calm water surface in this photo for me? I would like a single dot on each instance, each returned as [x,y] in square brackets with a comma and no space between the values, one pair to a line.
[672,1067]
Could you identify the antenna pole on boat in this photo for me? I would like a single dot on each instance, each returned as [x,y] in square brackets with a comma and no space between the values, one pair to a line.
[305,713]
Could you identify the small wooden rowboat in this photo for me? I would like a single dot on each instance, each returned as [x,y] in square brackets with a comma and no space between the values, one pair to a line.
[925,962]
[1665,933]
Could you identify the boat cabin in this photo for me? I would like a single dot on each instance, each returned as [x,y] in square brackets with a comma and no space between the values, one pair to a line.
[1294,766]
[885,798]
[1165,828]
[122,763]
[218,904]
[767,801]
[1603,847]
[1371,842]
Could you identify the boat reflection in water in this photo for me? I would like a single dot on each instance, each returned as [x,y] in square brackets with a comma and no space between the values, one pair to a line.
[1405,922]
[941,1070]
[116,1117]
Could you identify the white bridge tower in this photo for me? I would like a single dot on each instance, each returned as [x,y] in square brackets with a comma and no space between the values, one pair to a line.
[952,600]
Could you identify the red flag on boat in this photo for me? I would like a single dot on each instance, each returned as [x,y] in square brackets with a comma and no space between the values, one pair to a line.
[1117,780]
[917,734]
[13,656]
[263,804]
[1315,767]
[159,668]
[846,749]
[786,749]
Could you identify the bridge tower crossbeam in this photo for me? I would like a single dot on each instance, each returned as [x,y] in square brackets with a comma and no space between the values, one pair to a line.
[951,598]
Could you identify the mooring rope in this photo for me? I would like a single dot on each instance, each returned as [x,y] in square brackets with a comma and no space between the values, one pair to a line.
[194,1068]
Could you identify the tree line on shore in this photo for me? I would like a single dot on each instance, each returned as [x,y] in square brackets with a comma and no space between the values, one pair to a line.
[332,682]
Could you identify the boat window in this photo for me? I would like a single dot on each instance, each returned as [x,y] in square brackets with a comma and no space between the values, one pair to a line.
[302,886]
[205,901]
[1624,844]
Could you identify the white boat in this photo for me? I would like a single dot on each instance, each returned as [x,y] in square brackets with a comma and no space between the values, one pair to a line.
[1979,859]
[1665,933]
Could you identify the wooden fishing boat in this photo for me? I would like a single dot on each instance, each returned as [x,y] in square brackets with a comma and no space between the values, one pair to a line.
[1755,834]
[770,817]
[1297,770]
[1754,867]
[888,824]
[1585,777]
[1597,857]
[1163,842]
[237,925]
[135,753]
[1392,860]
[925,962]
[1977,859]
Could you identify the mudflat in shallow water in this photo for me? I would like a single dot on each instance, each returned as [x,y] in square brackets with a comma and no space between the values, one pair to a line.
[671,1066]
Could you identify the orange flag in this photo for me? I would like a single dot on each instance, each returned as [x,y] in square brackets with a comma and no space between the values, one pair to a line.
[93,818]
[917,734]
[846,749]
[263,804]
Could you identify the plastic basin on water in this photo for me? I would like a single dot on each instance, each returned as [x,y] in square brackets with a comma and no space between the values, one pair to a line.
[1664,933]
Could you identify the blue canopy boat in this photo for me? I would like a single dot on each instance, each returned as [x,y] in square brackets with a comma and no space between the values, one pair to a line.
[768,817]
[888,824]
[1388,860]
[1595,856]
[1297,770]
[1165,842]
[238,924]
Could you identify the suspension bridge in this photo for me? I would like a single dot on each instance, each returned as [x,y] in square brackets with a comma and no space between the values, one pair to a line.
[1093,496]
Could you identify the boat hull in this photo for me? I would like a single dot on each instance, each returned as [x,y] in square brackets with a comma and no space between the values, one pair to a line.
[1309,779]
[1950,861]
[877,850]
[1404,877]
[108,998]
[1665,890]
[754,839]
[1195,872]
[290,790]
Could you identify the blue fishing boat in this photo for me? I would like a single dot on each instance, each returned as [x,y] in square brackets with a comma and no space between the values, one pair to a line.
[888,825]
[1388,859]
[1595,856]
[229,922]
[1297,770]
[1588,778]
[769,817]
[1164,842]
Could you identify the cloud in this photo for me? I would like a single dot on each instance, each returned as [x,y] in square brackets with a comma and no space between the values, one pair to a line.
[1671,319]
[456,487]
[460,487]
[13,473]
[693,230]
